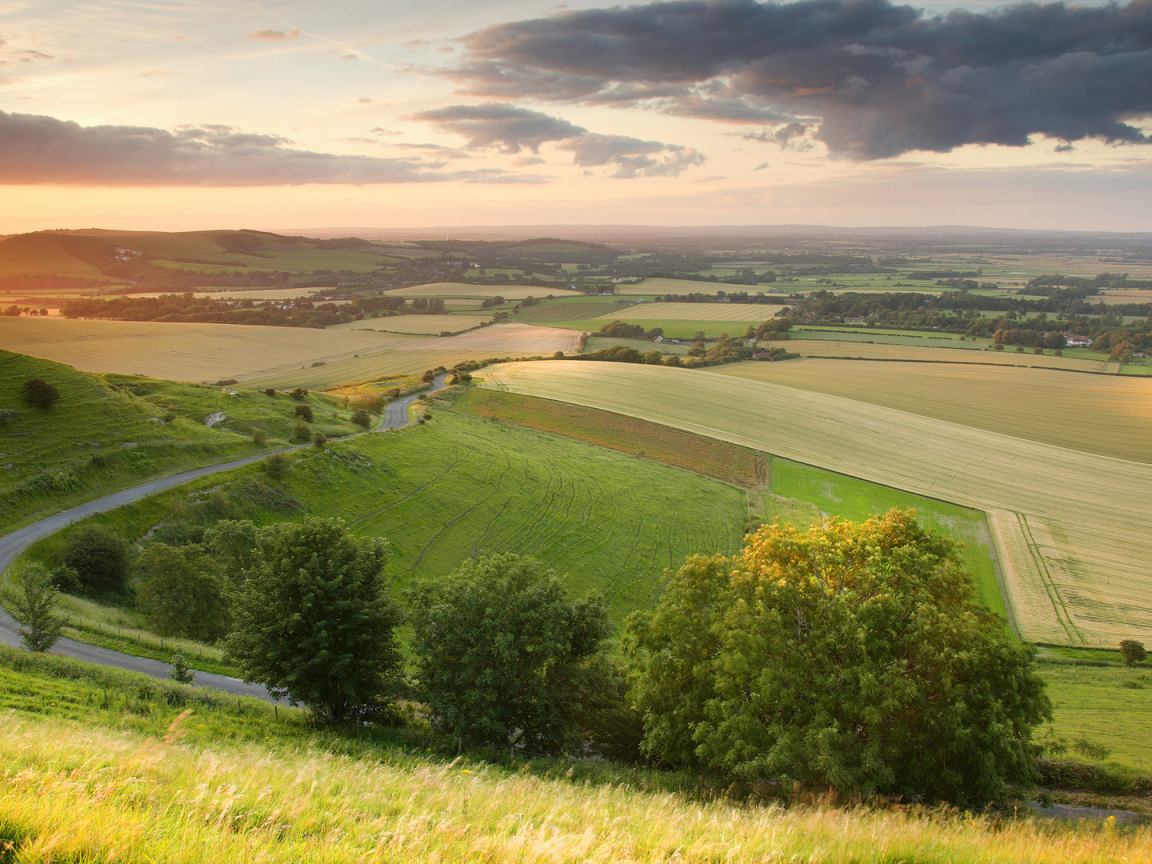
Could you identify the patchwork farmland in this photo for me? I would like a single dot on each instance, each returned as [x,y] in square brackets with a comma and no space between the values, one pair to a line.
[1069,527]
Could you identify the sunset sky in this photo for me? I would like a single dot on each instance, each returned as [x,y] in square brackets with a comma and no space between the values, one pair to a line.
[286,115]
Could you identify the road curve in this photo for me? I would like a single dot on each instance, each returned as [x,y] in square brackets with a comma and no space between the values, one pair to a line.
[395,417]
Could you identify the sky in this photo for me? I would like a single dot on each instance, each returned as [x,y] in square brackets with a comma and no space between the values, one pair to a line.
[389,114]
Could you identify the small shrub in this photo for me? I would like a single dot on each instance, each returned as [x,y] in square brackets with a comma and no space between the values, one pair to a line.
[180,673]
[1057,353]
[1132,652]
[427,415]
[225,382]
[361,418]
[301,431]
[304,412]
[299,394]
[1090,750]
[320,440]
[66,580]
[271,391]
[997,347]
[276,465]
[259,437]
[373,403]
[40,394]
[1019,349]
[99,557]
[1037,350]
[7,417]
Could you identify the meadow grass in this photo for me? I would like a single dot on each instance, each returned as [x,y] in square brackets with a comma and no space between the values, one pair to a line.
[1069,527]
[100,765]
[676,312]
[595,343]
[1102,414]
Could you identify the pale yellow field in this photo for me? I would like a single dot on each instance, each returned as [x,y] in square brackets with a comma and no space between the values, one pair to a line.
[462,289]
[1103,414]
[692,312]
[426,325]
[685,286]
[240,294]
[1072,529]
[1119,296]
[414,356]
[185,352]
[946,353]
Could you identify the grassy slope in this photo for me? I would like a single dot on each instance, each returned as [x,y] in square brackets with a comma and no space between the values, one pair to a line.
[76,450]
[1100,414]
[460,486]
[1074,564]
[238,782]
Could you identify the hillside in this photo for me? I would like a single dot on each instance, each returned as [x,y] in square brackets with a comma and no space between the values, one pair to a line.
[110,432]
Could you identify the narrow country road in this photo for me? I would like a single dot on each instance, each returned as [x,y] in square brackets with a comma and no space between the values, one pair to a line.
[395,417]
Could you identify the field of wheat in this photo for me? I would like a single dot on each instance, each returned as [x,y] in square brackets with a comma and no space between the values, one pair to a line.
[1070,528]
[419,325]
[693,312]
[185,352]
[1103,414]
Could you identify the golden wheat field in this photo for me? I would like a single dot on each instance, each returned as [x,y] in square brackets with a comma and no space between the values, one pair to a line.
[80,794]
[1071,528]
[464,289]
[185,352]
[693,312]
[1004,399]
[947,352]
[420,325]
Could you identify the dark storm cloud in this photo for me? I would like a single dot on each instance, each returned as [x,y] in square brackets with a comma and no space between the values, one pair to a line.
[37,149]
[512,129]
[879,79]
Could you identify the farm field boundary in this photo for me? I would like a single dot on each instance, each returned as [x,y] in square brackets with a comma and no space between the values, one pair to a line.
[691,312]
[1085,512]
[449,290]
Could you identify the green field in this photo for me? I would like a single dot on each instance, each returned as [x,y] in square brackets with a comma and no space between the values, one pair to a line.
[856,500]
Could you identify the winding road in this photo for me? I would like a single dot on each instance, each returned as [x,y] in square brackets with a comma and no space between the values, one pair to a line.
[395,417]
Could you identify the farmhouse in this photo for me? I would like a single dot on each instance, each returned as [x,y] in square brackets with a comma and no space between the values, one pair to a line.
[1072,341]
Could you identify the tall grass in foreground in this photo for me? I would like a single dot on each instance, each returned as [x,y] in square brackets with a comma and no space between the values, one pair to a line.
[75,793]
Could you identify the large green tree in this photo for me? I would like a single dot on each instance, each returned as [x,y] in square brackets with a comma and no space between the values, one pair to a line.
[311,620]
[183,592]
[850,657]
[99,557]
[502,648]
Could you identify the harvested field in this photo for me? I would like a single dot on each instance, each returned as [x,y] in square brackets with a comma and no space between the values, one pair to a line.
[1120,296]
[692,312]
[505,340]
[1070,528]
[414,355]
[421,325]
[1103,414]
[185,352]
[463,289]
[946,352]
[730,463]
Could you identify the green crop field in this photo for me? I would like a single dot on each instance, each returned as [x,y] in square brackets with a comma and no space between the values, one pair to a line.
[684,286]
[1102,414]
[1069,527]
[856,500]
[595,343]
[676,312]
[110,432]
